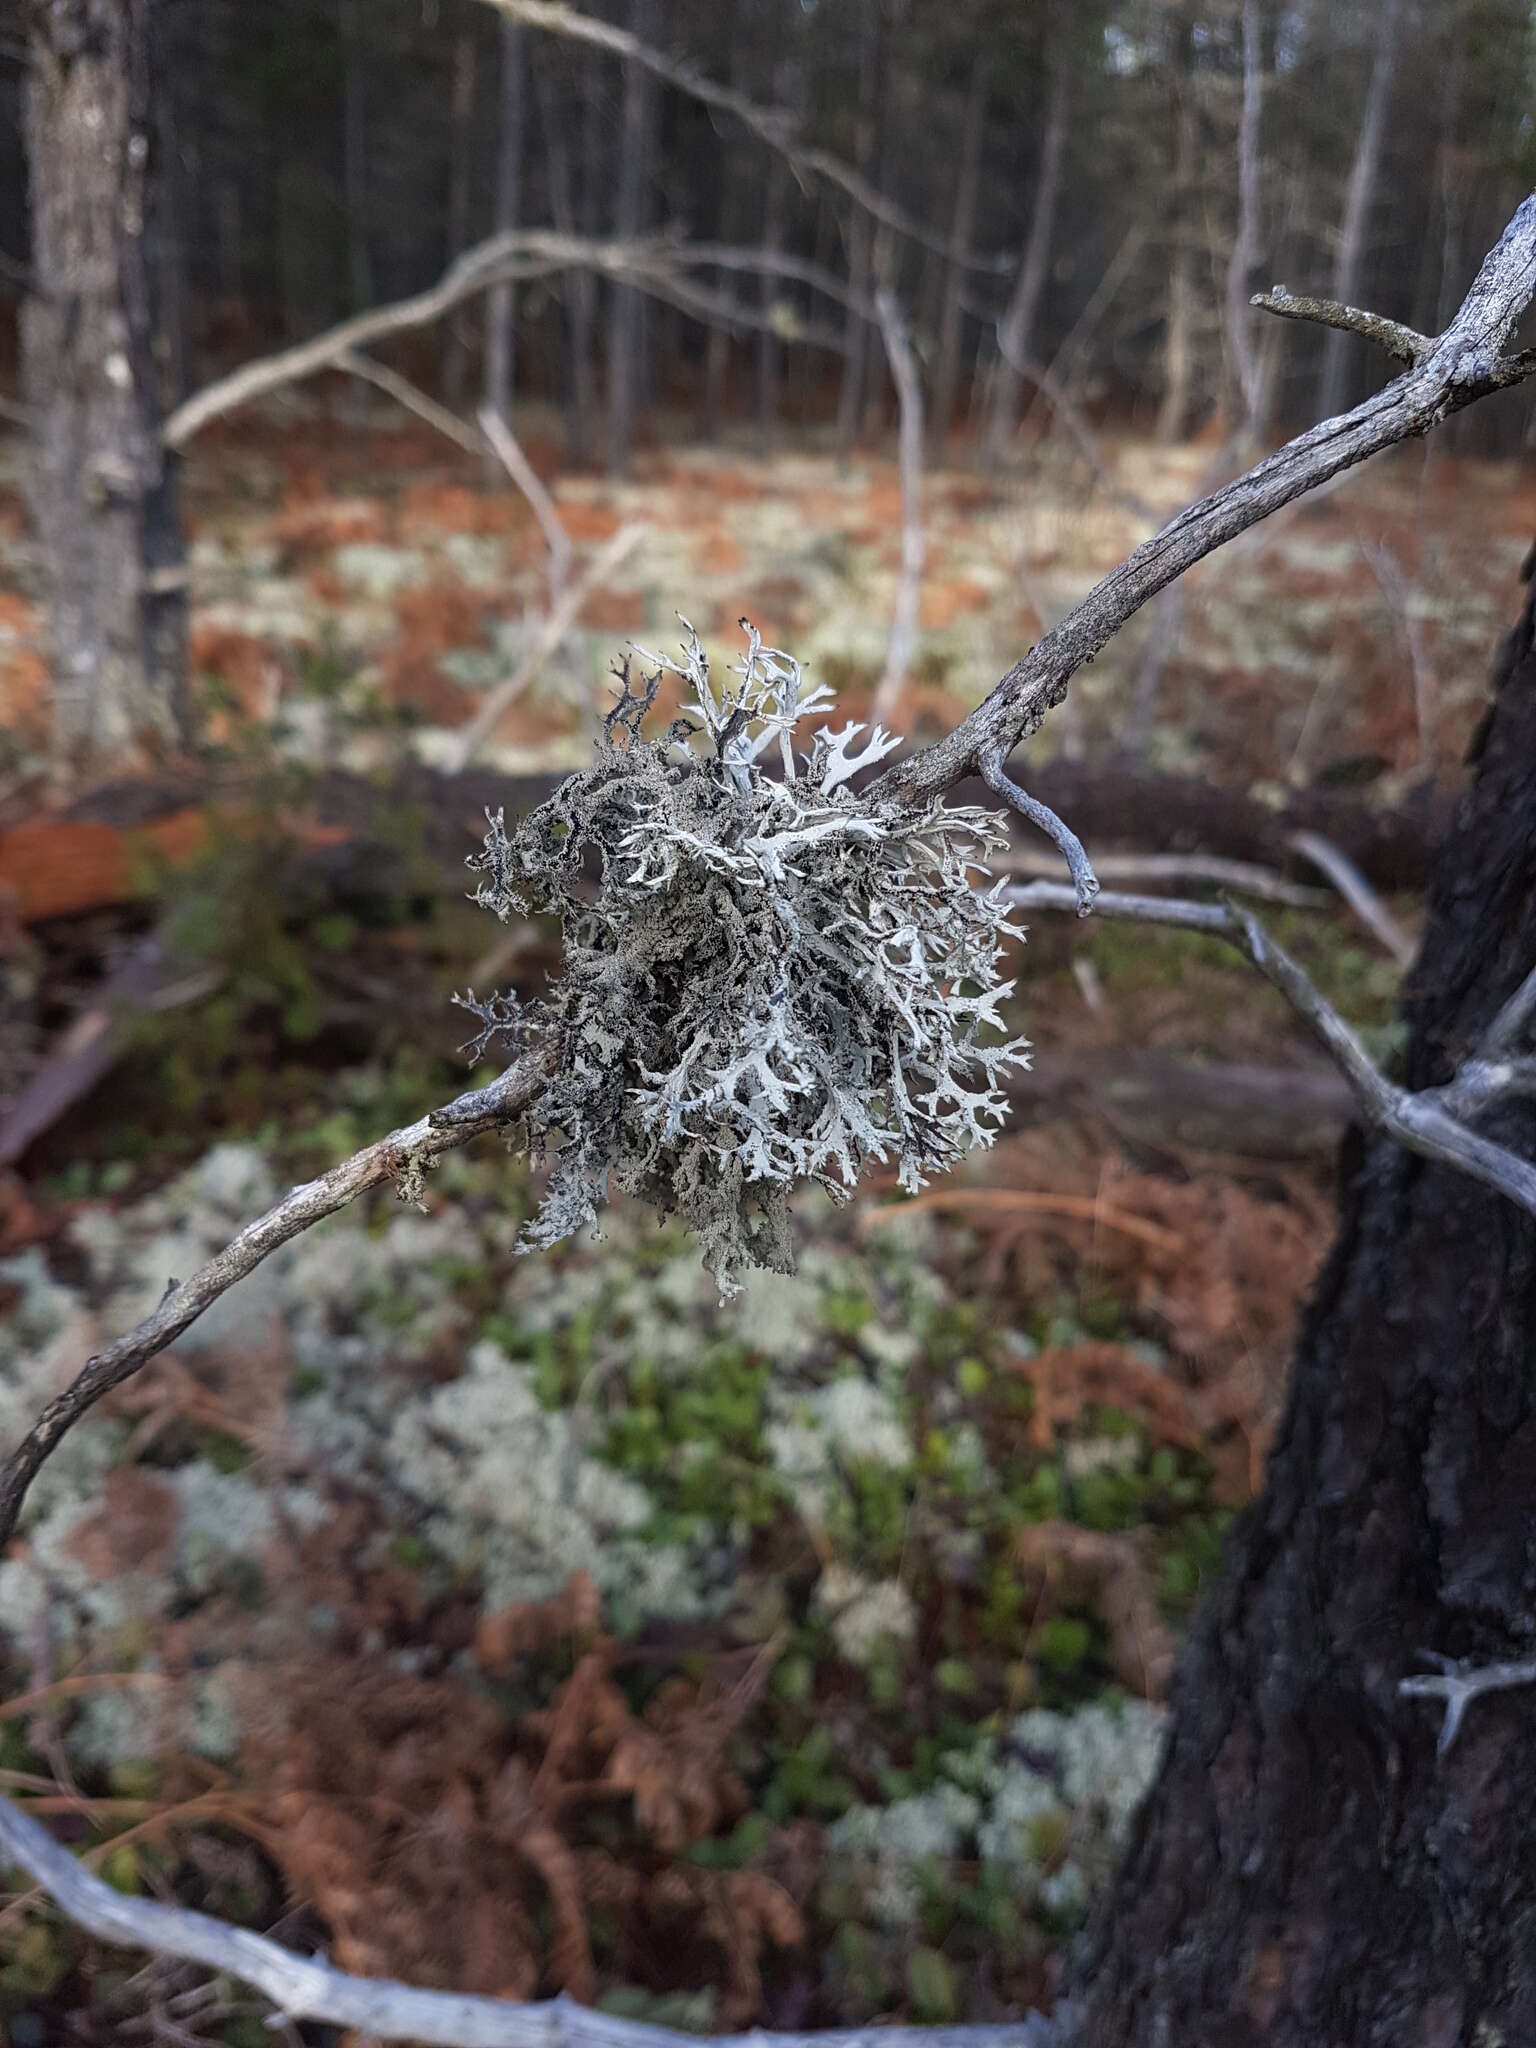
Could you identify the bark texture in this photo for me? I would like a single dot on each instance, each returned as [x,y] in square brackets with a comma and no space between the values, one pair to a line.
[1307,1873]
[103,492]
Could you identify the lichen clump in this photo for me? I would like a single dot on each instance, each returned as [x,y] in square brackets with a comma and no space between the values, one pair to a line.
[768,980]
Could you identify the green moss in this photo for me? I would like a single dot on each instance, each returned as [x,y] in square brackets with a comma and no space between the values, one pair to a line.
[1062,1644]
[932,1987]
[224,1452]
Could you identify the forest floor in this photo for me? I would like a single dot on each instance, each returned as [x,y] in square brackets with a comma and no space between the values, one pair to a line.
[516,1624]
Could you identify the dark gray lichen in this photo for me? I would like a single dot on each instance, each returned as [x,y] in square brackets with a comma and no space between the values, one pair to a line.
[767,981]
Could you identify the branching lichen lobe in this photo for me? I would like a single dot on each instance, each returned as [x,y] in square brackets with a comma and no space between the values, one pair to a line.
[774,980]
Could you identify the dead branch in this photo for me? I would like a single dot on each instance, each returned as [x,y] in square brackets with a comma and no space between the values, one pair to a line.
[657,266]
[909,398]
[411,397]
[1423,1123]
[769,125]
[552,631]
[308,1987]
[1242,877]
[402,1157]
[1461,365]
[1356,892]
[1402,344]
[509,453]
[1457,1684]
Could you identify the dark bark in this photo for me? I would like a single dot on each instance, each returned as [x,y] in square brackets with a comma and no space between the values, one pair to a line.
[354,168]
[1307,1873]
[103,492]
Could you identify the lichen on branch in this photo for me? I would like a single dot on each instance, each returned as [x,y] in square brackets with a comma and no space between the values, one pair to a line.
[768,980]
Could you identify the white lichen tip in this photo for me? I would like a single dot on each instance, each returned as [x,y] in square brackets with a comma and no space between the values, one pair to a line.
[769,978]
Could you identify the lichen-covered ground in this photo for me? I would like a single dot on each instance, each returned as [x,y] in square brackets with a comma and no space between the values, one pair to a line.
[520,1623]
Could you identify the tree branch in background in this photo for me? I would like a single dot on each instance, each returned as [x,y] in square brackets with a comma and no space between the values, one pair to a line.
[402,1157]
[770,126]
[463,744]
[909,582]
[509,453]
[1356,891]
[1462,365]
[1421,1123]
[657,266]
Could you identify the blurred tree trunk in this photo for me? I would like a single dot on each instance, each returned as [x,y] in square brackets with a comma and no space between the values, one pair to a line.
[1334,386]
[501,303]
[578,283]
[962,232]
[1017,329]
[1307,1872]
[1244,390]
[856,329]
[103,491]
[461,157]
[770,288]
[1173,419]
[355,155]
[629,213]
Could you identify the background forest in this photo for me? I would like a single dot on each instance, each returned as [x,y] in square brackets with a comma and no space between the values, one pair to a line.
[525,1624]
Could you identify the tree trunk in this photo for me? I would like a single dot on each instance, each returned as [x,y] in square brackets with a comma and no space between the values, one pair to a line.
[354,145]
[1173,419]
[1243,388]
[103,491]
[1018,323]
[962,231]
[856,329]
[624,311]
[1334,387]
[578,283]
[461,156]
[1307,1872]
[501,303]
[771,288]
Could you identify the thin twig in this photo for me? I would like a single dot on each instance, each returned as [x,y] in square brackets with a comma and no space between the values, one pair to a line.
[1403,344]
[1419,1123]
[909,582]
[411,396]
[308,1987]
[508,451]
[411,1149]
[1456,1685]
[1079,866]
[1135,870]
[552,631]
[1356,891]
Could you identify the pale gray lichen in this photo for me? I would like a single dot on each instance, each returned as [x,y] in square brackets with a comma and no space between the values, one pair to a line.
[774,981]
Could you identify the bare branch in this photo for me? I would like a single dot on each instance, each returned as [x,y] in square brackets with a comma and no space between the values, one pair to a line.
[463,743]
[1402,344]
[1242,877]
[1419,1123]
[657,266]
[411,397]
[1504,1032]
[1457,1685]
[509,453]
[1462,365]
[770,126]
[909,398]
[1356,891]
[1084,880]
[306,1987]
[403,1156]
